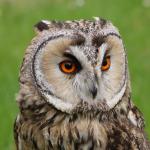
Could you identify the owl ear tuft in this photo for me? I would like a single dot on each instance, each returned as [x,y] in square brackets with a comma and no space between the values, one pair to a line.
[42,25]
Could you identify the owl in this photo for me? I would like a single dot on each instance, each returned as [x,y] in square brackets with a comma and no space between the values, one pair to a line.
[75,90]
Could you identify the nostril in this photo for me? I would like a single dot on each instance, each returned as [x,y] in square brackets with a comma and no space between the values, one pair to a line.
[94,92]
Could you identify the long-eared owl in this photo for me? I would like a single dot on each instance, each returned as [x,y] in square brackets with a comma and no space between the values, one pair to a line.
[75,90]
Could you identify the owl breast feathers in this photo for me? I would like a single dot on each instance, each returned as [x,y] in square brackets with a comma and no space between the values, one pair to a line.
[75,90]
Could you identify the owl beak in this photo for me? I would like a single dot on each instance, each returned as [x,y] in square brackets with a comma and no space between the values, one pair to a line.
[93,91]
[93,88]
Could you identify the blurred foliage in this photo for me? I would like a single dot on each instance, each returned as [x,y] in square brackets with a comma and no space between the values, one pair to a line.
[17,18]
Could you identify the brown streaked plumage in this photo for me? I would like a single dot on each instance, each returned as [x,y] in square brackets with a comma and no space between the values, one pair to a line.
[88,110]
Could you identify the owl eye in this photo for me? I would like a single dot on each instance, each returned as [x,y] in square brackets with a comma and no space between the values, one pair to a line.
[68,67]
[106,63]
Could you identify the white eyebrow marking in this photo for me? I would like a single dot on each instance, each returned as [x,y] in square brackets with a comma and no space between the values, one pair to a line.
[101,54]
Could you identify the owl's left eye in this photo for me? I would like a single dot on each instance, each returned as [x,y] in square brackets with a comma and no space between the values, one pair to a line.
[68,67]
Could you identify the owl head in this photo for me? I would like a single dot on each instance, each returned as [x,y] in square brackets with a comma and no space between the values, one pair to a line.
[77,65]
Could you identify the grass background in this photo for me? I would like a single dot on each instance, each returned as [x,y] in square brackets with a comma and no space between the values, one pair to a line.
[17,18]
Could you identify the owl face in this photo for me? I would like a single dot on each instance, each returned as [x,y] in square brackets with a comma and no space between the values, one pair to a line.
[73,68]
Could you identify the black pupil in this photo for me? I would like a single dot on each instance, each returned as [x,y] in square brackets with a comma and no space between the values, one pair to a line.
[104,62]
[68,65]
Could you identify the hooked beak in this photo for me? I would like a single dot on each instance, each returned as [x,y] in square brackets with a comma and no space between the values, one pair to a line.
[93,91]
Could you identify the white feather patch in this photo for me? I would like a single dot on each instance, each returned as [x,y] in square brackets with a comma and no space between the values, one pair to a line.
[111,103]
[46,22]
[102,51]
[59,104]
[132,118]
[96,18]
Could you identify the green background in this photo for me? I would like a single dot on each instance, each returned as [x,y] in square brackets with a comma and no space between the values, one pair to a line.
[17,18]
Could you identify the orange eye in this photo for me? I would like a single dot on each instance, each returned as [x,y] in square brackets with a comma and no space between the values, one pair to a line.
[106,64]
[68,67]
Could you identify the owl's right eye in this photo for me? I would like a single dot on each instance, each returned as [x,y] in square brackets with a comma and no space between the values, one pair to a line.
[106,63]
[68,67]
